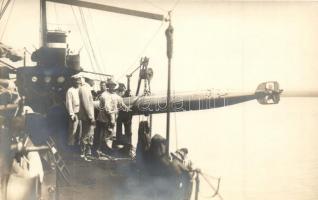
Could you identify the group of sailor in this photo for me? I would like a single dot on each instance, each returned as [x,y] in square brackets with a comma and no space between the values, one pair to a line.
[93,115]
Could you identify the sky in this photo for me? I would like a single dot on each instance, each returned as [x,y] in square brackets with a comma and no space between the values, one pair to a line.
[261,152]
[235,45]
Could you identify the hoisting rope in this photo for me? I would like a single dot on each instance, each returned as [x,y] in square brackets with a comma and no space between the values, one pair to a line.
[175,125]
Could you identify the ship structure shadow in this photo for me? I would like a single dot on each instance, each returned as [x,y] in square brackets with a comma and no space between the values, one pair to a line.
[123,179]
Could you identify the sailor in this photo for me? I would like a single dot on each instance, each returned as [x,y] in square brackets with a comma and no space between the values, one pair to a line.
[86,115]
[110,102]
[124,118]
[180,161]
[91,83]
[8,93]
[22,108]
[103,88]
[116,102]
[101,120]
[183,170]
[178,171]
[72,104]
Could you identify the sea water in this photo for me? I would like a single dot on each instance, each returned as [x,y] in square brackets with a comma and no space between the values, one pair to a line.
[259,151]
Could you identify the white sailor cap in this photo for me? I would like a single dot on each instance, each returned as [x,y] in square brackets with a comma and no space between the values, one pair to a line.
[83,75]
[77,76]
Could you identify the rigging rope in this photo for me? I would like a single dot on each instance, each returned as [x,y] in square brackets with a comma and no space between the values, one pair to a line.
[213,188]
[4,8]
[98,46]
[5,26]
[89,39]
[207,175]
[27,51]
[84,26]
[56,14]
[161,8]
[175,5]
[141,53]
[151,39]
[82,36]
[1,5]
[156,6]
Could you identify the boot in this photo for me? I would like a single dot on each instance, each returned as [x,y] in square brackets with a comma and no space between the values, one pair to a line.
[88,151]
[128,150]
[83,150]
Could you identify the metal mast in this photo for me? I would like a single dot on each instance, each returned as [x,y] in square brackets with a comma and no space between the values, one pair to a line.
[43,22]
[113,9]
[169,34]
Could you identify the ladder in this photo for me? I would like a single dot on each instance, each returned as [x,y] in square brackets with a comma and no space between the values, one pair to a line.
[58,161]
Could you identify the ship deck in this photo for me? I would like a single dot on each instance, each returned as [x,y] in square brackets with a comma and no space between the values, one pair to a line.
[111,179]
[96,179]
